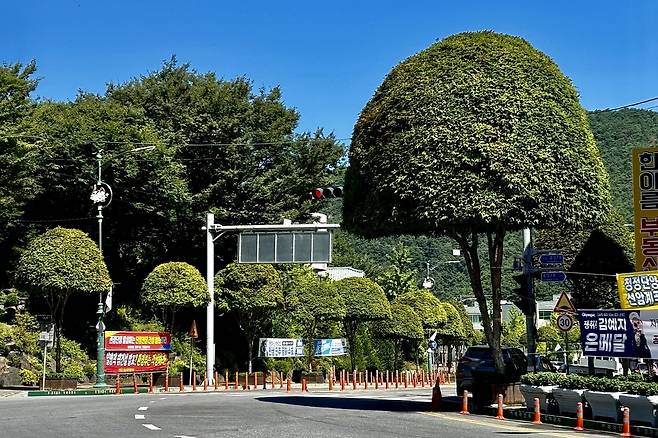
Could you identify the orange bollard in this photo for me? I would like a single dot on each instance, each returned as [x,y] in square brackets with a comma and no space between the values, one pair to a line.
[579,417]
[281,380]
[135,384]
[342,381]
[436,397]
[537,415]
[181,388]
[365,381]
[205,382]
[464,410]
[626,429]
[226,380]
[304,388]
[246,381]
[397,379]
[359,378]
[499,414]
[150,383]
[166,388]
[406,380]
[422,378]
[193,380]
[354,380]
[117,385]
[237,381]
[216,381]
[255,380]
[288,385]
[376,379]
[414,380]
[331,383]
[386,387]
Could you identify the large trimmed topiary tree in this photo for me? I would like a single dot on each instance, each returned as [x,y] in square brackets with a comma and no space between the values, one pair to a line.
[404,325]
[364,301]
[476,136]
[56,265]
[172,286]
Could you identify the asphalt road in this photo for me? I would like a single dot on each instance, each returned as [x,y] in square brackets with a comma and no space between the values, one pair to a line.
[376,414]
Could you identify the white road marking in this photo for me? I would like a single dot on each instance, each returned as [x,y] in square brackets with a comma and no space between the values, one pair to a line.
[152,401]
[183,436]
[143,408]
[151,426]
[162,398]
[139,416]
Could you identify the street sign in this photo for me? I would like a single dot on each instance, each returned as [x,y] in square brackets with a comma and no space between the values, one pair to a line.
[553,276]
[564,322]
[564,304]
[551,259]
[433,345]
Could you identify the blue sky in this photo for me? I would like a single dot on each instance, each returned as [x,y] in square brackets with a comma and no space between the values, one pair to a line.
[328,57]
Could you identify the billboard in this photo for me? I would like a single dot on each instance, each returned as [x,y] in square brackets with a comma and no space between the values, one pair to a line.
[645,205]
[619,333]
[129,341]
[136,352]
[294,347]
[638,290]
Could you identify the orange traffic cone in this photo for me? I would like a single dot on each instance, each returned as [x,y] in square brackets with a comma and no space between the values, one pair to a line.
[436,397]
[537,414]
[626,430]
[464,410]
[579,417]
[499,414]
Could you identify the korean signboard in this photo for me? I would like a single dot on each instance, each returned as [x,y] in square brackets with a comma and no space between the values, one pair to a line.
[137,340]
[645,195]
[136,352]
[638,290]
[619,333]
[290,347]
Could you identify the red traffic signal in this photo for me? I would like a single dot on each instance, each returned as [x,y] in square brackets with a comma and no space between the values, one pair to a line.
[325,193]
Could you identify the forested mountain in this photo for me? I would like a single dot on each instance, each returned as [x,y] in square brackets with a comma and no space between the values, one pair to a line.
[616,133]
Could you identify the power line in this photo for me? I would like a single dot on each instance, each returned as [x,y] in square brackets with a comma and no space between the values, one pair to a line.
[633,104]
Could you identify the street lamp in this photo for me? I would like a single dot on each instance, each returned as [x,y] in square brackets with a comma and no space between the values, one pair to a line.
[101,195]
[428,282]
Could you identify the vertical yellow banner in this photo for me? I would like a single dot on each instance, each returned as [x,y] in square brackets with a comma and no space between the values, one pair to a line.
[645,196]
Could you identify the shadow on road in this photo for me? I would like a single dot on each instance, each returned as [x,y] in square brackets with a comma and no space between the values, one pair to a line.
[362,404]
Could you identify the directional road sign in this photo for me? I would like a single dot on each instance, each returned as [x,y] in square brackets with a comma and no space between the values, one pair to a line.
[564,322]
[551,259]
[553,276]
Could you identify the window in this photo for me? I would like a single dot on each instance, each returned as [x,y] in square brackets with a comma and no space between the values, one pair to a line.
[476,318]
[545,314]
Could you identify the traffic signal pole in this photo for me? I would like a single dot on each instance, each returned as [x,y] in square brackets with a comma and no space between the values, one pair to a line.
[531,315]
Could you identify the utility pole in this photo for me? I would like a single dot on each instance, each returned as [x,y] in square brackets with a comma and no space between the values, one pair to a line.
[531,314]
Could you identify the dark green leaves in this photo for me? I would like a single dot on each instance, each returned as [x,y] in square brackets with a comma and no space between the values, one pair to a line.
[175,285]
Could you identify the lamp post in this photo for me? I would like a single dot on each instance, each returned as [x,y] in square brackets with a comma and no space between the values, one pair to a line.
[101,195]
[428,282]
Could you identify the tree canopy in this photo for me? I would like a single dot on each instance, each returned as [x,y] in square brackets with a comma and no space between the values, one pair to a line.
[428,307]
[172,286]
[479,133]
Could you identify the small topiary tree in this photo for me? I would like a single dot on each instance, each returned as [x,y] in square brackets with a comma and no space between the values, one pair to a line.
[172,286]
[404,325]
[364,301]
[56,265]
[251,293]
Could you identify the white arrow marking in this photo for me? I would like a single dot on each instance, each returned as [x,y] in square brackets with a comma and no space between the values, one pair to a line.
[143,408]
[151,426]
[183,436]
[139,417]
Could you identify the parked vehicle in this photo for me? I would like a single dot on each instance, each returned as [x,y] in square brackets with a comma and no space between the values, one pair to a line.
[478,362]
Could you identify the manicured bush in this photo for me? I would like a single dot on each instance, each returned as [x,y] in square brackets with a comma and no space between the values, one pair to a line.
[28,377]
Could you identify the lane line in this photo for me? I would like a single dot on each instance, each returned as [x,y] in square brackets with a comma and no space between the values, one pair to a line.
[151,426]
[143,408]
[507,426]
[139,417]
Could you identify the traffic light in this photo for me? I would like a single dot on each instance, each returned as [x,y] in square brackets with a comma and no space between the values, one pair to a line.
[319,193]
[523,300]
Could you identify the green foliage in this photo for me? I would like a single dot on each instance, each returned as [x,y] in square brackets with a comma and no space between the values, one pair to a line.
[62,261]
[451,332]
[404,324]
[471,336]
[616,133]
[429,309]
[28,377]
[514,330]
[174,285]
[478,129]
[398,279]
[182,347]
[592,383]
[130,318]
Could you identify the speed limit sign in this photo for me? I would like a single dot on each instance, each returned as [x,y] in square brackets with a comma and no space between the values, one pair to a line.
[564,322]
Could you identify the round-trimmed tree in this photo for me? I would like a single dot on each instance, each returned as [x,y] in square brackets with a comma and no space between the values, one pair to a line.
[172,286]
[55,265]
[404,325]
[364,301]
[478,134]
[428,307]
[251,293]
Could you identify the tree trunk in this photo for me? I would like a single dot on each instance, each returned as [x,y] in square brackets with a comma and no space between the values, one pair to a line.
[250,353]
[468,242]
[495,240]
[396,353]
[58,335]
[350,331]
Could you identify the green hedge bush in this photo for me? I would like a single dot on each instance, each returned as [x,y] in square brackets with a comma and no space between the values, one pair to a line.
[628,384]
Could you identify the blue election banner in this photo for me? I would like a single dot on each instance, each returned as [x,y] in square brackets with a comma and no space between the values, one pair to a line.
[330,347]
[619,333]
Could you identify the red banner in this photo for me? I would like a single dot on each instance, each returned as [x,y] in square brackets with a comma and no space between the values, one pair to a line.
[137,341]
[135,361]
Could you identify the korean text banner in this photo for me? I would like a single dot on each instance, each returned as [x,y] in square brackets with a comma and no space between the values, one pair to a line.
[135,361]
[645,195]
[137,341]
[638,290]
[619,333]
[289,347]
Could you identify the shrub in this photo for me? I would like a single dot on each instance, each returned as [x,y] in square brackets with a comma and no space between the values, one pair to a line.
[28,377]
